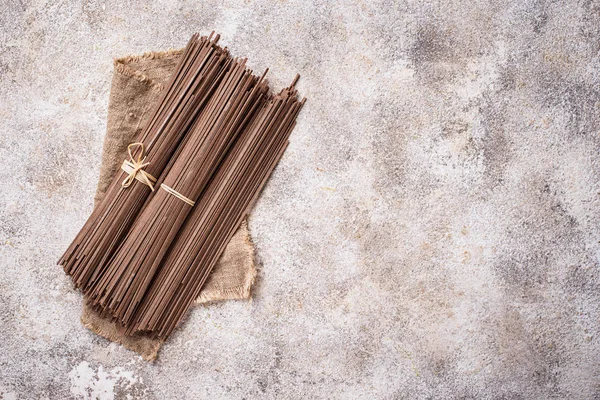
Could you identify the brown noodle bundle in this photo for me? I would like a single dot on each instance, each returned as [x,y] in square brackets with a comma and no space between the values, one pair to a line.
[197,75]
[214,219]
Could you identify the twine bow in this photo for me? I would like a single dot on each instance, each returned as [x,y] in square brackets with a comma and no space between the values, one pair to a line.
[135,168]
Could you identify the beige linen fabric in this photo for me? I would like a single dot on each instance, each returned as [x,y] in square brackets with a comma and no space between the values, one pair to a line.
[136,85]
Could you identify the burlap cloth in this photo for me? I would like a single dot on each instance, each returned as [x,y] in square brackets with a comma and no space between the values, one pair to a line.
[136,85]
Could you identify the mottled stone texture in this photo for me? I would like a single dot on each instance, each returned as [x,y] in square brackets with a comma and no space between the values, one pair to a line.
[431,232]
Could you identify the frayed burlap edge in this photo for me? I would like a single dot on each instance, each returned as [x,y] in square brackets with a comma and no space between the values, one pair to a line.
[213,291]
[143,345]
[121,67]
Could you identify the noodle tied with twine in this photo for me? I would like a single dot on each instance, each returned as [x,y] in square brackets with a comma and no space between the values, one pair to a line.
[135,168]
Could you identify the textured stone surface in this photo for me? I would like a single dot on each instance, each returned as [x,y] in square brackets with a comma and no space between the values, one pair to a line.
[432,231]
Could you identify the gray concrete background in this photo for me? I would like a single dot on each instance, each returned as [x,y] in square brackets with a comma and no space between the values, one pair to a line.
[432,231]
